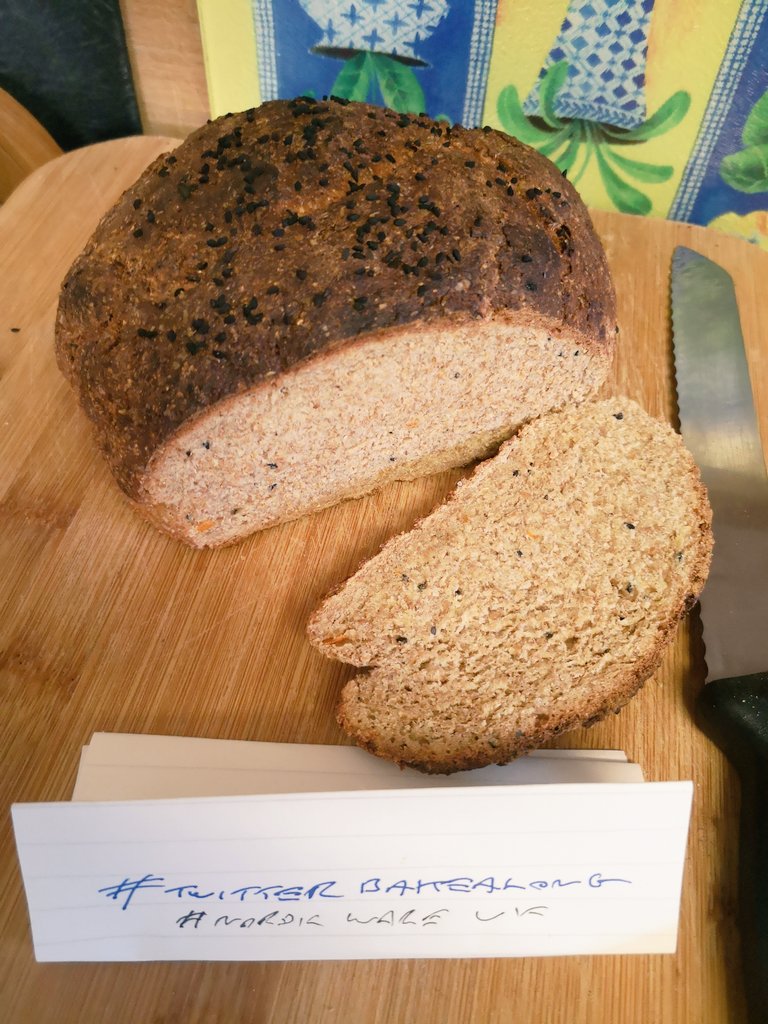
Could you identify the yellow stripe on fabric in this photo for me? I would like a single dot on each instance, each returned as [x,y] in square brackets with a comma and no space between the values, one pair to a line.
[229,52]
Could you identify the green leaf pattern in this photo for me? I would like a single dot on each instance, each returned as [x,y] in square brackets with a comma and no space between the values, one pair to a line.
[397,83]
[747,169]
[572,144]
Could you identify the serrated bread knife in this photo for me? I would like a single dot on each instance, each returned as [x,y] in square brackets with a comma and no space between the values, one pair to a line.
[719,426]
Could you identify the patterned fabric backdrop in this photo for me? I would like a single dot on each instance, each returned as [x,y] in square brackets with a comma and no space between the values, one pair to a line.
[656,107]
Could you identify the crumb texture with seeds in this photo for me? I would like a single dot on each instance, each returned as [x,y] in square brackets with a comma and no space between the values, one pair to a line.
[537,599]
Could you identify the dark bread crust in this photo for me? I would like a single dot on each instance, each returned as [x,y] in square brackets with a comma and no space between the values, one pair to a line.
[283,232]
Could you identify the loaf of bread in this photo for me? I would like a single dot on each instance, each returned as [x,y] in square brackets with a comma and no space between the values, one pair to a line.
[538,598]
[309,299]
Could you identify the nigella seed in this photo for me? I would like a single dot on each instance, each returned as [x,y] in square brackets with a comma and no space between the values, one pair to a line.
[433,630]
[401,639]
[531,286]
[359,301]
[630,526]
[136,204]
[216,243]
[526,258]
[319,298]
[273,289]
[170,335]
[138,233]
[144,333]
[200,326]
[618,415]
[301,274]
[150,217]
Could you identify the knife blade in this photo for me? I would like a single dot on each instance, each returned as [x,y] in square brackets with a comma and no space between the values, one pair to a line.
[719,426]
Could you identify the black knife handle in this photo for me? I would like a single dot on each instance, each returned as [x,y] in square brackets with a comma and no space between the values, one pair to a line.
[734,714]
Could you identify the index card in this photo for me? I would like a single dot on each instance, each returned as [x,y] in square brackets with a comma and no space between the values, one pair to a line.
[530,870]
[129,767]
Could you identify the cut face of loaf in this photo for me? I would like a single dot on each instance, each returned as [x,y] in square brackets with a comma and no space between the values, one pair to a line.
[417,402]
[538,598]
[308,299]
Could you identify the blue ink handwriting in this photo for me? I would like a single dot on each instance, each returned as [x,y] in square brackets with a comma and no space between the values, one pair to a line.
[123,892]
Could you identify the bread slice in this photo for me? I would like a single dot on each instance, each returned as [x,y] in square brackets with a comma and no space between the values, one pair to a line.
[538,598]
[309,299]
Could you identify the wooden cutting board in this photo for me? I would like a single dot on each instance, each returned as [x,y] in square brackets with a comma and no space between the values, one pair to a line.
[107,625]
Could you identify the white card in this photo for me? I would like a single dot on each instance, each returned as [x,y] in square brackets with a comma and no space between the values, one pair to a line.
[449,871]
[122,766]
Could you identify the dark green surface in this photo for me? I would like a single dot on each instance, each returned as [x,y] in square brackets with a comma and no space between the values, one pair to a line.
[734,714]
[66,61]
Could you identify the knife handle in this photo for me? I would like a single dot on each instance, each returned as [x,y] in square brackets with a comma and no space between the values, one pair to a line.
[734,714]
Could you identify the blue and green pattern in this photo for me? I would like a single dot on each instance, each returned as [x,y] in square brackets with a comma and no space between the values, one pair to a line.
[604,44]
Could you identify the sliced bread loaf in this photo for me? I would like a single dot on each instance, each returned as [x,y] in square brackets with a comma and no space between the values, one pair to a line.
[309,299]
[538,598]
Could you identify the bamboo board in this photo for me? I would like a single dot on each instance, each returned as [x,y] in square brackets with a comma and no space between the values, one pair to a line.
[108,626]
